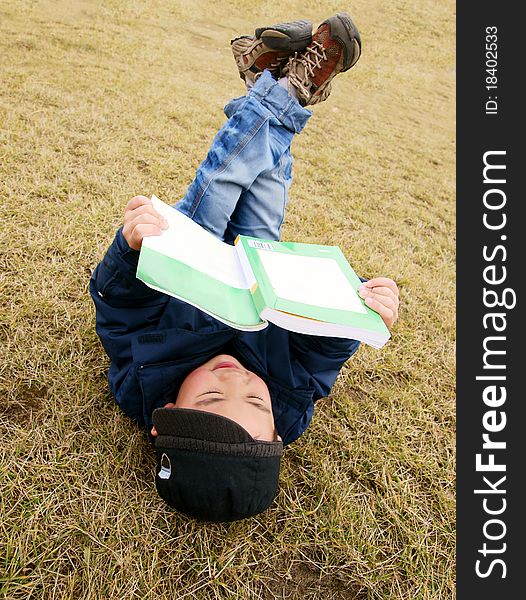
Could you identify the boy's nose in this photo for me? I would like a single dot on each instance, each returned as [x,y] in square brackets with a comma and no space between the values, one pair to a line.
[232,375]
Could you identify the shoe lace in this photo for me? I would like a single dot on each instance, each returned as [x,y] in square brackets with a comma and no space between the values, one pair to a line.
[312,58]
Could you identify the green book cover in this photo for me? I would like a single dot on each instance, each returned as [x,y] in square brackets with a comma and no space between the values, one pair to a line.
[189,263]
[309,280]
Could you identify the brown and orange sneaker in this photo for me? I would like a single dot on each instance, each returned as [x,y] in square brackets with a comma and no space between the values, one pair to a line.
[269,48]
[336,47]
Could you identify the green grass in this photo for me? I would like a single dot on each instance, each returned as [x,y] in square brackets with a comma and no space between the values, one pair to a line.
[100,101]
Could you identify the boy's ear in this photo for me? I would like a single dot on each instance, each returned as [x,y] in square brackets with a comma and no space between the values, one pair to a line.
[167,405]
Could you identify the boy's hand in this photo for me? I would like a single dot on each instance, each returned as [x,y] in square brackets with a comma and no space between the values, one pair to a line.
[140,220]
[381,294]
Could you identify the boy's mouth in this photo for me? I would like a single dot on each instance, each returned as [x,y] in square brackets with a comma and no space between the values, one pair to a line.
[225,365]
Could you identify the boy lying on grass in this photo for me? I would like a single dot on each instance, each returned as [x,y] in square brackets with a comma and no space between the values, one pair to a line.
[219,402]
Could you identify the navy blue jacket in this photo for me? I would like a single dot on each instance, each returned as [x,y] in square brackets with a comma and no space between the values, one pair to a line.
[154,341]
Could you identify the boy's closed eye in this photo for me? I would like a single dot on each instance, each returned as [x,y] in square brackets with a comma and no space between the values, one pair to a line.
[248,400]
[220,392]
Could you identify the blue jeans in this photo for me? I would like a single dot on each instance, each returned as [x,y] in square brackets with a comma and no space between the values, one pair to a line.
[242,185]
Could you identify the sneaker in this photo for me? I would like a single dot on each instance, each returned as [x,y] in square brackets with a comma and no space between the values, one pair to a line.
[269,48]
[286,37]
[335,48]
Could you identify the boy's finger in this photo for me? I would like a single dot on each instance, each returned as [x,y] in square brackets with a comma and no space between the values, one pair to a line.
[388,301]
[381,282]
[144,209]
[380,290]
[144,230]
[147,218]
[385,312]
[137,201]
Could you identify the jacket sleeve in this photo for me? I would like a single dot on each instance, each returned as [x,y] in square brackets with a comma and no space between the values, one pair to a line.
[322,357]
[124,306]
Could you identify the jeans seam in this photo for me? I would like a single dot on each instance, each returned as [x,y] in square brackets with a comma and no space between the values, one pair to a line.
[247,138]
[283,113]
[295,122]
[284,193]
[266,93]
[285,110]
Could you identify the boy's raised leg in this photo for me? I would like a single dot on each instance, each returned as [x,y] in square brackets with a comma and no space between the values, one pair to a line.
[261,209]
[259,131]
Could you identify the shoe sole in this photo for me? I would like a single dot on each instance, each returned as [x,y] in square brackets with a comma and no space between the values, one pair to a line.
[286,39]
[344,30]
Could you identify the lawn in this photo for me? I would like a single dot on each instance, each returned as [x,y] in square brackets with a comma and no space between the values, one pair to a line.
[100,101]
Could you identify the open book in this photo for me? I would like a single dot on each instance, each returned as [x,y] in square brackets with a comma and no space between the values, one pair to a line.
[306,288]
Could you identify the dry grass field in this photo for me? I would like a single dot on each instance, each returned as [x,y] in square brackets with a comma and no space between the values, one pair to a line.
[102,100]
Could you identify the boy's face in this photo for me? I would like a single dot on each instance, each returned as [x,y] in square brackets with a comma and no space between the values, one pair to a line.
[224,387]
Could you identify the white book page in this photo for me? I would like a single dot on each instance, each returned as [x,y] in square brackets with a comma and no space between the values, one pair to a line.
[245,265]
[310,280]
[189,243]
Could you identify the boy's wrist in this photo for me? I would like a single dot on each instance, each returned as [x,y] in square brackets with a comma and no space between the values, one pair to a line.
[128,254]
